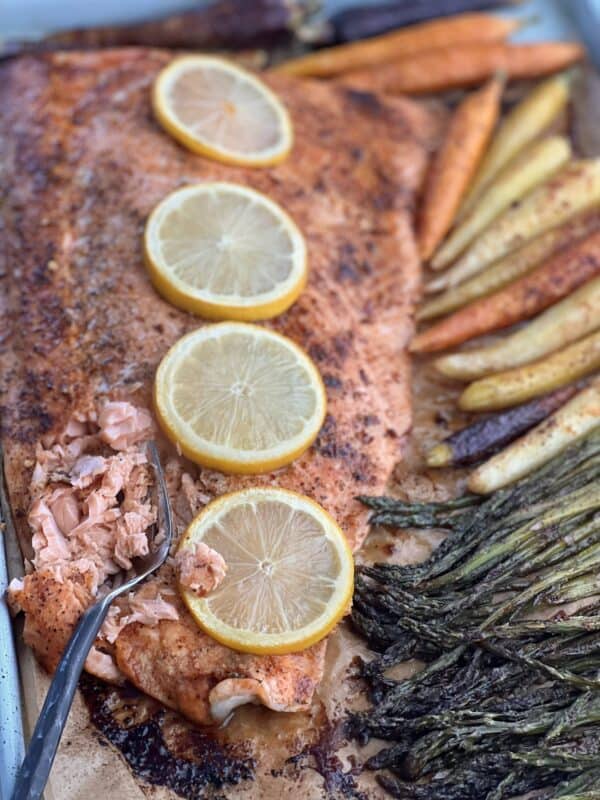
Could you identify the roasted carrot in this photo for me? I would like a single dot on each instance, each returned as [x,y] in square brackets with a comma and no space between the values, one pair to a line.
[485,436]
[443,33]
[523,383]
[572,421]
[521,126]
[512,266]
[575,188]
[455,163]
[543,286]
[560,325]
[464,65]
[530,168]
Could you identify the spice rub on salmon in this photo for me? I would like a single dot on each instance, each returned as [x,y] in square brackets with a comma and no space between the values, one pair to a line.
[83,165]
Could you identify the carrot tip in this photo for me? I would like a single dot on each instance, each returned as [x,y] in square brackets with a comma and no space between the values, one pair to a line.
[425,312]
[438,262]
[441,366]
[436,285]
[439,456]
[476,484]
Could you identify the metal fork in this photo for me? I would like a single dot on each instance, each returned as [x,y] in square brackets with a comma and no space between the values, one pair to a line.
[39,758]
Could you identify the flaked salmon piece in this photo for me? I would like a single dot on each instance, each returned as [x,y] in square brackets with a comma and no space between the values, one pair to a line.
[76,428]
[113,624]
[88,328]
[86,469]
[103,665]
[118,470]
[188,496]
[135,491]
[118,424]
[93,523]
[122,425]
[95,539]
[199,568]
[98,515]
[65,508]
[56,456]
[131,540]
[49,543]
[148,606]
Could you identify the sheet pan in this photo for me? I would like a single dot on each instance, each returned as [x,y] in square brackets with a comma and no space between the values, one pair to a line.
[553,21]
[11,725]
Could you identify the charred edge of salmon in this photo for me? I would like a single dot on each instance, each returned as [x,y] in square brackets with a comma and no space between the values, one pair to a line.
[144,747]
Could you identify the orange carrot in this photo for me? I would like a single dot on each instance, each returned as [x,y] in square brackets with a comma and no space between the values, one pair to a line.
[464,65]
[532,293]
[456,162]
[461,29]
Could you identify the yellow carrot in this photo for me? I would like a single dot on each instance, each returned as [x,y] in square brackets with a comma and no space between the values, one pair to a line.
[519,128]
[558,326]
[574,420]
[455,163]
[574,189]
[458,30]
[542,287]
[512,266]
[533,166]
[532,380]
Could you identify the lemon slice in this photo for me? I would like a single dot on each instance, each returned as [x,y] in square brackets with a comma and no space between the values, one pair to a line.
[225,252]
[289,571]
[220,110]
[239,398]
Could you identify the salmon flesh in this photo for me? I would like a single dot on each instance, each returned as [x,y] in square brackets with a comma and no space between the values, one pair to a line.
[83,164]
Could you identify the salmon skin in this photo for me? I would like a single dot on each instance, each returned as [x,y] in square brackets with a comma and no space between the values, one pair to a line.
[84,163]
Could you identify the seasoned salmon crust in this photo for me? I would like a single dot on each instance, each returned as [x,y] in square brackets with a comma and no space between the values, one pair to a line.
[83,164]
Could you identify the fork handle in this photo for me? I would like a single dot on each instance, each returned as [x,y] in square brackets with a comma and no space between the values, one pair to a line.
[35,769]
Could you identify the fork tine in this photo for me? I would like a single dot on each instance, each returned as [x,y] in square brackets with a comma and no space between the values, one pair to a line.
[165,515]
[117,580]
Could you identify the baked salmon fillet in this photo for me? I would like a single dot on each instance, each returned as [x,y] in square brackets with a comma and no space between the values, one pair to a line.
[83,164]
